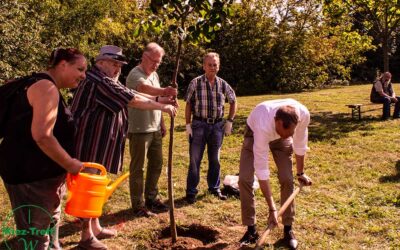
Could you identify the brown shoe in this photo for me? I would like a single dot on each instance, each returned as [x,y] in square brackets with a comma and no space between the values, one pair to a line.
[156,206]
[144,212]
[91,244]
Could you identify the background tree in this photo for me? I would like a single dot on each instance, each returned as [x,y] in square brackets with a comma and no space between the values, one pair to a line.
[21,47]
[287,46]
[275,45]
[380,19]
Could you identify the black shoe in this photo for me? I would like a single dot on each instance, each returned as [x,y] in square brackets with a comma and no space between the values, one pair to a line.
[190,198]
[249,238]
[156,206]
[290,240]
[219,195]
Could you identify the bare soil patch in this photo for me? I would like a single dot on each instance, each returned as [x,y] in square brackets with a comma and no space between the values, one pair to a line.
[194,236]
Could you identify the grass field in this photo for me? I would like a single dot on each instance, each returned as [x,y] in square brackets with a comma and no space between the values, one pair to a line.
[354,202]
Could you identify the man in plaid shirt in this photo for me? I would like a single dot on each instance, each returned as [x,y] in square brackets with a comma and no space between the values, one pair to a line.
[205,99]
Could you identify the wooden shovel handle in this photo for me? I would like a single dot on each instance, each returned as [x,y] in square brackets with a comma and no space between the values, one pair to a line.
[285,205]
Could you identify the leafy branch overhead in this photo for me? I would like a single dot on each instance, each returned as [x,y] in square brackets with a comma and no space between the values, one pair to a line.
[192,21]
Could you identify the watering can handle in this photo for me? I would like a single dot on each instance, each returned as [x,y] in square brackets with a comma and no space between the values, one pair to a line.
[71,179]
[95,165]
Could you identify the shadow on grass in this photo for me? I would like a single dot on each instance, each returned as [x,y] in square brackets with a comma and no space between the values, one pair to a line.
[181,202]
[281,244]
[108,220]
[118,218]
[327,126]
[392,178]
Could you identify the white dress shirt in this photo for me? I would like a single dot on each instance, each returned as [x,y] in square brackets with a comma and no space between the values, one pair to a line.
[262,122]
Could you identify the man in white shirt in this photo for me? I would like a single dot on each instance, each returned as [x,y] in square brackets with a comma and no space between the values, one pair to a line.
[279,126]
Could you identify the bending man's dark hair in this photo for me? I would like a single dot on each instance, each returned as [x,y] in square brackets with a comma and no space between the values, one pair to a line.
[69,55]
[288,116]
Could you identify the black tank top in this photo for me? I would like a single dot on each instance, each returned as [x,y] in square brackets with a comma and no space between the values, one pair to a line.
[21,160]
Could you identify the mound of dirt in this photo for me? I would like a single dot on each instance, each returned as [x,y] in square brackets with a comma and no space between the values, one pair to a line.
[194,236]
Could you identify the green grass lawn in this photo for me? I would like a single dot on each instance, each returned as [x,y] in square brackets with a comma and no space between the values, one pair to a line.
[354,202]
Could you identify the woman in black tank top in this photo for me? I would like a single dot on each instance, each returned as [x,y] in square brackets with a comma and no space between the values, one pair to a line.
[38,151]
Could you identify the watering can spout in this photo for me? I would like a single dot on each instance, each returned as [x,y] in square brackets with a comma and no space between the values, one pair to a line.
[111,188]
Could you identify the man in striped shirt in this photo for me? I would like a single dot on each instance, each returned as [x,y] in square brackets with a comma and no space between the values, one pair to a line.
[100,111]
[205,99]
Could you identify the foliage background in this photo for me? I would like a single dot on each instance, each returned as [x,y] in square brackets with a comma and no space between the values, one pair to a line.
[267,45]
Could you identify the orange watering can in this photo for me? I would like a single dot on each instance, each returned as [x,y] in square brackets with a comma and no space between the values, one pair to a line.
[87,192]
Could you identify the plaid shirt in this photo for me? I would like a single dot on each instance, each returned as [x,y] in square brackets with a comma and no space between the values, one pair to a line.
[207,102]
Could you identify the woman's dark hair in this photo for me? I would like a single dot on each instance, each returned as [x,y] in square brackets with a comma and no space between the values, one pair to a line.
[69,55]
[287,114]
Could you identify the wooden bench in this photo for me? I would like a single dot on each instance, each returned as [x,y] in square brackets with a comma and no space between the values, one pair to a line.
[356,108]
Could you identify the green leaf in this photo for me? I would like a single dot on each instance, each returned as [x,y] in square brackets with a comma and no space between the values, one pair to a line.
[137,31]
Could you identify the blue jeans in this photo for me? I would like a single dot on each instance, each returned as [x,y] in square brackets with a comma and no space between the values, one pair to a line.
[204,134]
[386,107]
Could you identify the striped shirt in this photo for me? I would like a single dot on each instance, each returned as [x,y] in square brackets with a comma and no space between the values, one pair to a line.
[207,101]
[100,111]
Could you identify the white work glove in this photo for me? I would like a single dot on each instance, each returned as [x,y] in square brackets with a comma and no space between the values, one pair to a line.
[228,128]
[189,131]
[304,179]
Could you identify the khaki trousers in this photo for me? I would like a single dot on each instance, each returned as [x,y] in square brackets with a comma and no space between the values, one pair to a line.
[142,145]
[282,153]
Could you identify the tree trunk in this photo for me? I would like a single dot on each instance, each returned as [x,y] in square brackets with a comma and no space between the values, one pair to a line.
[171,142]
[385,48]
[385,43]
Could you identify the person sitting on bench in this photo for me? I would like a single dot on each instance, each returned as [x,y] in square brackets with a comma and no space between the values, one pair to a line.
[382,92]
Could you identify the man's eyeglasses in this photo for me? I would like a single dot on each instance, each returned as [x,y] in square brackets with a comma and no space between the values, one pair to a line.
[152,60]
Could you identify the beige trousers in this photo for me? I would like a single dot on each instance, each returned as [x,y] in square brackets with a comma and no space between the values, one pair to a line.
[282,153]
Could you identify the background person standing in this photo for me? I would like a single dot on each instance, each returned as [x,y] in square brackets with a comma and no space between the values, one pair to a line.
[146,130]
[205,99]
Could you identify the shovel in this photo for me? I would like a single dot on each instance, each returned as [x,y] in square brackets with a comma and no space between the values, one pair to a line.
[263,237]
